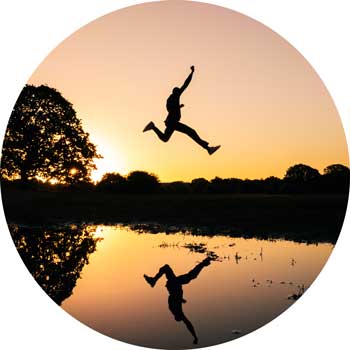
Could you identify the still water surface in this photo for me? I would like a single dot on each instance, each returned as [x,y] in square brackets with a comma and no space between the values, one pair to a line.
[247,285]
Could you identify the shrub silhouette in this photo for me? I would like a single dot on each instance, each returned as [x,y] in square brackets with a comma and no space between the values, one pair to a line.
[142,182]
[200,185]
[177,187]
[336,178]
[112,182]
[301,178]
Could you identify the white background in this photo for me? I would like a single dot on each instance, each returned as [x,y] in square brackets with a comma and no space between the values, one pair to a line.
[31,29]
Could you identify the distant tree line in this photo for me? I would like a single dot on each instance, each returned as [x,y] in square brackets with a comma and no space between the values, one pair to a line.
[298,179]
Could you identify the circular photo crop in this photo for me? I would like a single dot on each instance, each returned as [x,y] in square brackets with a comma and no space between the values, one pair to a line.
[174,175]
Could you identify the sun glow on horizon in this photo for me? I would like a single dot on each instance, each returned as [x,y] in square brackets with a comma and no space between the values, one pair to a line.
[252,93]
[111,162]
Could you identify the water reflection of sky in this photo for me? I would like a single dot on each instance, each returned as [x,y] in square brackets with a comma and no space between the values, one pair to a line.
[244,289]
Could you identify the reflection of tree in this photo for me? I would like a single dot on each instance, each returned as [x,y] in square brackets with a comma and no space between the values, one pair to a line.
[55,257]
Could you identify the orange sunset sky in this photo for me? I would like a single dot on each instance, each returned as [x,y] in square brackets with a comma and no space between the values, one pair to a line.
[252,92]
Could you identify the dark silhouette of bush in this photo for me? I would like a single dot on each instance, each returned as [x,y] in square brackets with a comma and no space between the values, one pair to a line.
[301,178]
[272,185]
[142,182]
[112,182]
[200,185]
[176,187]
[301,173]
[338,170]
[219,185]
[252,186]
[336,178]
[45,139]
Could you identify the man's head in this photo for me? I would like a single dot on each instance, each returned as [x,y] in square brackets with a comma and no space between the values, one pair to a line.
[176,90]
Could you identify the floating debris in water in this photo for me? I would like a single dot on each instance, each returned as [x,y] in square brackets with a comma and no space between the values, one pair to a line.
[237,257]
[196,247]
[202,249]
[255,283]
[168,245]
[299,293]
[213,256]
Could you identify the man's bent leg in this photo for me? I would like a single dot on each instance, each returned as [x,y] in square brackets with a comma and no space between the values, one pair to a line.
[164,136]
[164,270]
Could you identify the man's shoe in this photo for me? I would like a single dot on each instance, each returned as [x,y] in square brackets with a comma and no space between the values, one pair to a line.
[211,150]
[149,126]
[150,280]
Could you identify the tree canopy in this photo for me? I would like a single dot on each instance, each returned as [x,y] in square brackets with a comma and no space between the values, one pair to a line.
[113,182]
[337,170]
[45,139]
[301,173]
[142,182]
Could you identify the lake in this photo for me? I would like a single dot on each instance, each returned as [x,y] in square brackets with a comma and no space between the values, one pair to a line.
[96,273]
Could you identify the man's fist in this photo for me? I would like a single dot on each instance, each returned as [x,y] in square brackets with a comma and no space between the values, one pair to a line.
[192,68]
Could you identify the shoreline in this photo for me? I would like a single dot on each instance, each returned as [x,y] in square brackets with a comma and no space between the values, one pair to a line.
[309,218]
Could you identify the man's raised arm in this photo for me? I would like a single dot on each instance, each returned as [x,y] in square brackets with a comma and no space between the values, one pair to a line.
[187,81]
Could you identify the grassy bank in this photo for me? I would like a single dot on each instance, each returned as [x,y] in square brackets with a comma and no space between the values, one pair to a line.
[299,217]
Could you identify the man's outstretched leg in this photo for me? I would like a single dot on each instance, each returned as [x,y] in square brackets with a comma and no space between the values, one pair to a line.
[195,137]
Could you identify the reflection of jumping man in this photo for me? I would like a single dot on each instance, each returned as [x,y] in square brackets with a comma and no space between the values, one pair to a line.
[172,121]
[174,285]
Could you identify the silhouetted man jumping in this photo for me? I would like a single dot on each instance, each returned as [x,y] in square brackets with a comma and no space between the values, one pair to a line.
[174,286]
[172,121]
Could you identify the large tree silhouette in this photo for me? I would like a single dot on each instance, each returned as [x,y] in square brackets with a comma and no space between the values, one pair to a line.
[44,138]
